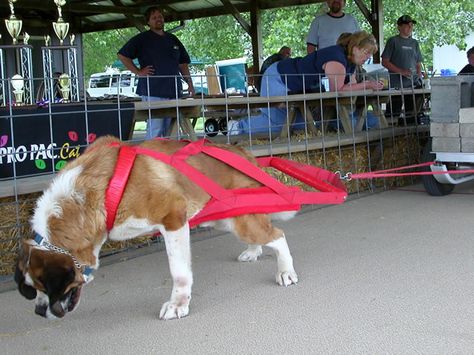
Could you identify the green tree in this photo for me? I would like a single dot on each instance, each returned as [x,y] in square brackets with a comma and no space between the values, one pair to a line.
[215,38]
[439,22]
[100,48]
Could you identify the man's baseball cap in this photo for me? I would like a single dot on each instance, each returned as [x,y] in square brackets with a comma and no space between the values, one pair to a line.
[405,19]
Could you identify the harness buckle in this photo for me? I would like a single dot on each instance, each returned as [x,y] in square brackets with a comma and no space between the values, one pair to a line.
[347,177]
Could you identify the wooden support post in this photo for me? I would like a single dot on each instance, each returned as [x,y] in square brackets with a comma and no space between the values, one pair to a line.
[256,35]
[375,19]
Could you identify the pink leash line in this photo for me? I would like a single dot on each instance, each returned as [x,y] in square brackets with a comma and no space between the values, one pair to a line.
[390,172]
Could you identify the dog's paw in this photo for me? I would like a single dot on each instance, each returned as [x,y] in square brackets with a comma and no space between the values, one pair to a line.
[251,254]
[171,310]
[286,278]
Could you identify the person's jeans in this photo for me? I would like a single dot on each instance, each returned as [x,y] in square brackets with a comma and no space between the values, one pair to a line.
[271,118]
[157,127]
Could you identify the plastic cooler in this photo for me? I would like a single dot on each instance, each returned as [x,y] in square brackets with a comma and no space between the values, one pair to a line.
[232,75]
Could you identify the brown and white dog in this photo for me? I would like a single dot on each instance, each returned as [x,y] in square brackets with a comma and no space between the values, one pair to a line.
[69,223]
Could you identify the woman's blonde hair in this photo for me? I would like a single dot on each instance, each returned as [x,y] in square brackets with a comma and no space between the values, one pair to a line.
[360,39]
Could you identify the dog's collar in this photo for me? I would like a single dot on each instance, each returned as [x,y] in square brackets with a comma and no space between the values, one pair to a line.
[87,272]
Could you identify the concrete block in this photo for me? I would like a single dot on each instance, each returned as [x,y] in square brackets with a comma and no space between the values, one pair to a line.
[449,95]
[466,95]
[466,130]
[445,103]
[444,119]
[441,144]
[466,115]
[467,90]
[467,145]
[449,130]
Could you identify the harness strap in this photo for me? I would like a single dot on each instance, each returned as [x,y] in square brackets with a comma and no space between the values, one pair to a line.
[243,165]
[177,161]
[116,188]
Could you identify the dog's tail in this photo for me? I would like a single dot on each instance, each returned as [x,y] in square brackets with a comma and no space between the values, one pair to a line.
[283,216]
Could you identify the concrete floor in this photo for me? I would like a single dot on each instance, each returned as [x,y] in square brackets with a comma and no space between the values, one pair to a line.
[388,273]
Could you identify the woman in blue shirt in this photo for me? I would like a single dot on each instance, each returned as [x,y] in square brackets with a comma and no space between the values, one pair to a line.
[303,75]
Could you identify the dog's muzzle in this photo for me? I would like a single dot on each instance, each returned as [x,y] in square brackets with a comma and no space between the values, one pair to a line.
[59,308]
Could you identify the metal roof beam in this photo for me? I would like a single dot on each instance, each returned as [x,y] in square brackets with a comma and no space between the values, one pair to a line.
[138,24]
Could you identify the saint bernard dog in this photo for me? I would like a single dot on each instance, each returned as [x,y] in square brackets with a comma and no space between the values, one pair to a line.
[70,223]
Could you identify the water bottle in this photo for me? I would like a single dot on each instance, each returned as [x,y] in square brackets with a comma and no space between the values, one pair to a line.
[325,83]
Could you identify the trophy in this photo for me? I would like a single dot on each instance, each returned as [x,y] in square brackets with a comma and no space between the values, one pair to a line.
[47,40]
[26,38]
[13,24]
[71,39]
[18,84]
[64,83]
[60,27]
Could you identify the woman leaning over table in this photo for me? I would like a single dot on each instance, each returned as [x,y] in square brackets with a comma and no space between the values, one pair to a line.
[303,74]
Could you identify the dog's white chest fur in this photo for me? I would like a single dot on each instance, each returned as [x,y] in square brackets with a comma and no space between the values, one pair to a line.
[133,227]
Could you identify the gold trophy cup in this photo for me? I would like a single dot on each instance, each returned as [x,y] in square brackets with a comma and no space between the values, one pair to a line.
[64,86]
[13,24]
[18,84]
[60,27]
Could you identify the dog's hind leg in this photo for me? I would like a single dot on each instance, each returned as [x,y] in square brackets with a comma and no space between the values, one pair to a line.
[257,230]
[179,258]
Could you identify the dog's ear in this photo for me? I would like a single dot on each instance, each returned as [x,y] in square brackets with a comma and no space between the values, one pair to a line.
[27,291]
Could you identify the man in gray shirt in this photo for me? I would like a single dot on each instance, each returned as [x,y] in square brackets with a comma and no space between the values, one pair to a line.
[402,57]
[326,29]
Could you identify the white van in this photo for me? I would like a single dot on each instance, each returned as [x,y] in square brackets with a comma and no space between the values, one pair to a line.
[113,83]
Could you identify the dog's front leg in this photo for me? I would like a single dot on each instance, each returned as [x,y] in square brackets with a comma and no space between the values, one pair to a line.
[179,258]
[286,274]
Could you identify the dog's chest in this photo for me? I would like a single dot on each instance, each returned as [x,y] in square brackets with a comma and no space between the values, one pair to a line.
[133,227]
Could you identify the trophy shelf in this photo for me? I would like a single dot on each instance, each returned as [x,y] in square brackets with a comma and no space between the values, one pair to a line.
[16,59]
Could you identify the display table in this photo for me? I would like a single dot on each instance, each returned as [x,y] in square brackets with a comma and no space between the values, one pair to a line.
[37,140]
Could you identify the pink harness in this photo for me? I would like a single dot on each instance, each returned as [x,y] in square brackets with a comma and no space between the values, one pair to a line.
[272,197]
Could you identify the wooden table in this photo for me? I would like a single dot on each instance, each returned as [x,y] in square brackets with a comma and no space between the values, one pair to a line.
[184,111]
[343,103]
[379,98]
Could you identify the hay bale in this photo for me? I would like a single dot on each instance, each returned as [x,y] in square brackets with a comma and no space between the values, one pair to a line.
[14,225]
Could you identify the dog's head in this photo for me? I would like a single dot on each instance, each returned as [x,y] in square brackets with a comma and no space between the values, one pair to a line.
[51,278]
[71,214]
